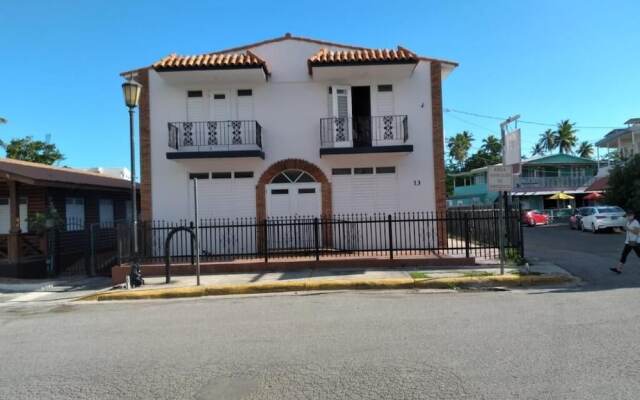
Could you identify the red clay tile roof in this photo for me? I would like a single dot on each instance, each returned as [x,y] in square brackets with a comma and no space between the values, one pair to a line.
[288,36]
[41,174]
[174,62]
[599,185]
[362,56]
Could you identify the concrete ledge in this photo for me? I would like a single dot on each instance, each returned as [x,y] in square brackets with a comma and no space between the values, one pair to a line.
[334,284]
[120,272]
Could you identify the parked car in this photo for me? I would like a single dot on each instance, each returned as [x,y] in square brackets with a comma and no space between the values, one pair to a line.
[534,217]
[575,220]
[601,217]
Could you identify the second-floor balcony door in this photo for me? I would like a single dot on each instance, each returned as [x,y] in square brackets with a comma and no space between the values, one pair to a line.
[219,132]
[386,129]
[341,108]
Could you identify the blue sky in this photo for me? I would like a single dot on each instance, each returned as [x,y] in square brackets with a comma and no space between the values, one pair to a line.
[545,59]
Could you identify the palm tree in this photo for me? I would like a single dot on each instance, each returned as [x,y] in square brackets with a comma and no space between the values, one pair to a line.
[459,146]
[492,145]
[565,137]
[537,149]
[547,140]
[585,150]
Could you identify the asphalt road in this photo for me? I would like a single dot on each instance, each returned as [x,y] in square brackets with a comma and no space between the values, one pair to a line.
[584,254]
[365,345]
[568,343]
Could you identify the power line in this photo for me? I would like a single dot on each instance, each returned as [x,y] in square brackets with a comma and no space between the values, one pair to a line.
[522,121]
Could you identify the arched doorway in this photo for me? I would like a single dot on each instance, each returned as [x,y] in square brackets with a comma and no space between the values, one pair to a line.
[293,174]
[293,192]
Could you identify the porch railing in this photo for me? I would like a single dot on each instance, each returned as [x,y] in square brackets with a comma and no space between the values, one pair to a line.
[364,131]
[215,135]
[552,182]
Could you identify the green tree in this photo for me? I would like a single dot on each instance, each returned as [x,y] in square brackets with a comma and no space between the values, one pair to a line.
[27,149]
[565,137]
[585,150]
[537,149]
[547,140]
[624,185]
[490,153]
[492,145]
[459,146]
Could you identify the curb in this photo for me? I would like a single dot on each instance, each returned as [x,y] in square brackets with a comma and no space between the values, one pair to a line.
[333,284]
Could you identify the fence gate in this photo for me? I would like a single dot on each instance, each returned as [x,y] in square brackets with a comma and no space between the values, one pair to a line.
[87,249]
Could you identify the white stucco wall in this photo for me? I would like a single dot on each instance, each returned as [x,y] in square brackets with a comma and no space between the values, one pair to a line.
[289,107]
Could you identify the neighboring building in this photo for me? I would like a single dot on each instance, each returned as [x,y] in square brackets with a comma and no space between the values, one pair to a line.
[80,198]
[292,126]
[543,176]
[470,189]
[540,178]
[114,172]
[625,142]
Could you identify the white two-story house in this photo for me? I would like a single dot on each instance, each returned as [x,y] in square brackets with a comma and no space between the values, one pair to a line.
[291,126]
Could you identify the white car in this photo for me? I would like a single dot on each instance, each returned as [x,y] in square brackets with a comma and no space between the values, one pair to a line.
[602,217]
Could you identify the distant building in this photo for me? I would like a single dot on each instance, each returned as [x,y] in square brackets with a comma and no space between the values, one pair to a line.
[114,172]
[624,141]
[540,178]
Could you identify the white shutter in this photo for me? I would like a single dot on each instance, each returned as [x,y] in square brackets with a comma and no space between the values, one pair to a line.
[386,129]
[195,106]
[24,215]
[384,103]
[220,106]
[341,109]
[4,216]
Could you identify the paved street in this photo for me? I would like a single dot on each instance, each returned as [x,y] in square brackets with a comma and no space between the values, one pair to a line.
[537,344]
[584,254]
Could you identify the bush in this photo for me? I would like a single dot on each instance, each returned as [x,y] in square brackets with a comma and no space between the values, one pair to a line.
[624,185]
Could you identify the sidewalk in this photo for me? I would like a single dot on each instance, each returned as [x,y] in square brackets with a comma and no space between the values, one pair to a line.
[487,275]
[49,290]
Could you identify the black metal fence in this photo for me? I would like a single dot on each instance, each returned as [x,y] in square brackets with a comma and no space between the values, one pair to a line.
[459,233]
[211,135]
[79,248]
[363,131]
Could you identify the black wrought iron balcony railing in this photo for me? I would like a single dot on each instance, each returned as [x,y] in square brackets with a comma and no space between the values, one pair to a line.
[215,135]
[386,130]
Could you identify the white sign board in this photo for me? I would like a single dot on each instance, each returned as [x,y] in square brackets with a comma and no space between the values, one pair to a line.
[512,149]
[500,178]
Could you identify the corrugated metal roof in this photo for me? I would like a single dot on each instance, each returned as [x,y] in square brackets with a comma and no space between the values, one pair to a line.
[42,173]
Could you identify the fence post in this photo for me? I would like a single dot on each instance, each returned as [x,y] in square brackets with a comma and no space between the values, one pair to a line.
[390,225]
[192,245]
[316,238]
[92,251]
[467,236]
[265,241]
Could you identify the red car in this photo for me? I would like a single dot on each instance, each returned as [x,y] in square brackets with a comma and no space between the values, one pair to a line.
[534,217]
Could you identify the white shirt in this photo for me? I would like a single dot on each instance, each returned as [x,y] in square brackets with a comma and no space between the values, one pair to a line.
[632,237]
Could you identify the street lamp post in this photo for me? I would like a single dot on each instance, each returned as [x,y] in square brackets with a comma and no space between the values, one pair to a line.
[131,90]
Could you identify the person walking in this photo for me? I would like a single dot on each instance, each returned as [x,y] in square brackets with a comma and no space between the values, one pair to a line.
[632,241]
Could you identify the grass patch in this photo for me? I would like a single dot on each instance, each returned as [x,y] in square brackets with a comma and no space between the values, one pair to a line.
[477,273]
[419,275]
[524,273]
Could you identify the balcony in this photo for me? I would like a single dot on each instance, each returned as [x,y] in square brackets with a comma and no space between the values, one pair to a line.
[552,183]
[215,139]
[358,135]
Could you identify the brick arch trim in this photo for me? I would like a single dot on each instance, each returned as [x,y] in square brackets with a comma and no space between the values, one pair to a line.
[292,163]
